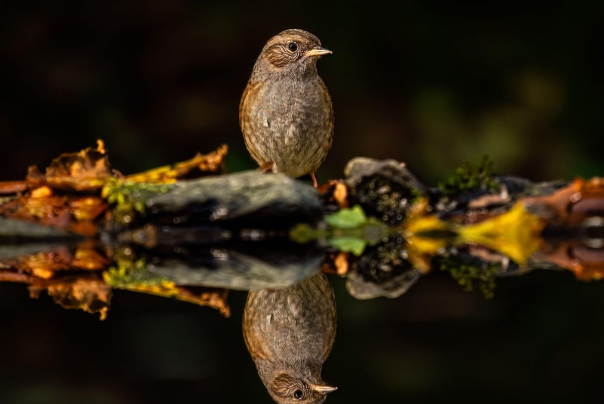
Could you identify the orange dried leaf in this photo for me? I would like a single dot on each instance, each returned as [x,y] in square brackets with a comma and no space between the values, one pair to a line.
[47,264]
[573,203]
[12,276]
[49,211]
[212,163]
[214,298]
[75,214]
[87,208]
[335,191]
[201,296]
[340,194]
[89,259]
[87,294]
[13,187]
[586,263]
[41,192]
[342,264]
[43,273]
[85,229]
[86,170]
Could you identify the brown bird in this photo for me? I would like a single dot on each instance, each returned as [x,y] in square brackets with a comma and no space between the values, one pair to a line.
[289,334]
[285,113]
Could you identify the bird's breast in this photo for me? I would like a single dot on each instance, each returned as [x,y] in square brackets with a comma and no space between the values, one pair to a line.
[290,123]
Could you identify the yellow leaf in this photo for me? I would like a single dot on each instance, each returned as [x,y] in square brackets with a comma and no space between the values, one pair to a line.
[516,233]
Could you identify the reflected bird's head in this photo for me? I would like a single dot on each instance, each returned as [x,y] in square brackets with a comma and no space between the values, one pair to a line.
[285,388]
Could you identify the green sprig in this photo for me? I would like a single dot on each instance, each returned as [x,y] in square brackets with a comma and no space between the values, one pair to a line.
[469,178]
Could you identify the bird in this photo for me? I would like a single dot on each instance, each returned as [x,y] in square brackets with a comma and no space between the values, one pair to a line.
[285,113]
[289,334]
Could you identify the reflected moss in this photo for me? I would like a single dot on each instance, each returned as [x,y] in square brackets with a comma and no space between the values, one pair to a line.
[469,271]
[348,230]
[133,275]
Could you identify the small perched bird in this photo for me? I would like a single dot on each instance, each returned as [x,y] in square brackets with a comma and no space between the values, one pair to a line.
[285,112]
[289,334]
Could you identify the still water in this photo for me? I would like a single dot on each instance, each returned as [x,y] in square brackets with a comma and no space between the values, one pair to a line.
[537,333]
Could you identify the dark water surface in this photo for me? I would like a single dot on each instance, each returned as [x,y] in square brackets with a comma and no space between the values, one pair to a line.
[538,338]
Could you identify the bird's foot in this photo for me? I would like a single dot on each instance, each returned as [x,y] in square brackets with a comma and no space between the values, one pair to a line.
[314,180]
[267,167]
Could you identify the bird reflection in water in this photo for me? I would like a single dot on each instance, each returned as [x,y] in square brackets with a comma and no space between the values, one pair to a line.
[289,334]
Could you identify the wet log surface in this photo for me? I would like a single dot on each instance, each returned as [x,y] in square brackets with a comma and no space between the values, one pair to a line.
[251,198]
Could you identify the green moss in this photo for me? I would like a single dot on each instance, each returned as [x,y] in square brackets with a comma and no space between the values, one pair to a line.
[130,197]
[129,274]
[303,233]
[416,195]
[470,178]
[350,244]
[470,272]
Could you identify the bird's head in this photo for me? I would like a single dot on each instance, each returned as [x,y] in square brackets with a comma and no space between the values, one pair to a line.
[292,50]
[286,388]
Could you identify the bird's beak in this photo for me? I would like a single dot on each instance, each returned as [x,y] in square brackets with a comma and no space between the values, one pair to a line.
[318,51]
[323,389]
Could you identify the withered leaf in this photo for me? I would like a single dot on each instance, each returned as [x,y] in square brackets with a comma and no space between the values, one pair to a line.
[13,187]
[89,294]
[201,164]
[45,265]
[86,170]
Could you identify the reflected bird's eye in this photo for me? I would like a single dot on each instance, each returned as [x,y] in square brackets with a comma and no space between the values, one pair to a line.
[298,394]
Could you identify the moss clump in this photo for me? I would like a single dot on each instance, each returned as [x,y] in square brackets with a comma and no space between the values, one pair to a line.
[132,275]
[130,197]
[469,271]
[469,178]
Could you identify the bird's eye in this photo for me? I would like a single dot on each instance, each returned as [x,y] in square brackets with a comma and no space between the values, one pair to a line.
[292,46]
[298,394]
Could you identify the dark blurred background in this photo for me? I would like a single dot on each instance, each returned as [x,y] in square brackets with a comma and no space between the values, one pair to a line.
[433,84]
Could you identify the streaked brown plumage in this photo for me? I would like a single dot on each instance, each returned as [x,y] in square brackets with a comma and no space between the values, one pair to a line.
[285,112]
[289,334]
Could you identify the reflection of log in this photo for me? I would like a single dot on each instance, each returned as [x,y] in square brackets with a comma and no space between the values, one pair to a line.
[78,276]
[237,272]
[15,230]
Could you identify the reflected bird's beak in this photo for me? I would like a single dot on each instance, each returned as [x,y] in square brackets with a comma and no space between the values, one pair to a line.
[323,389]
[318,51]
